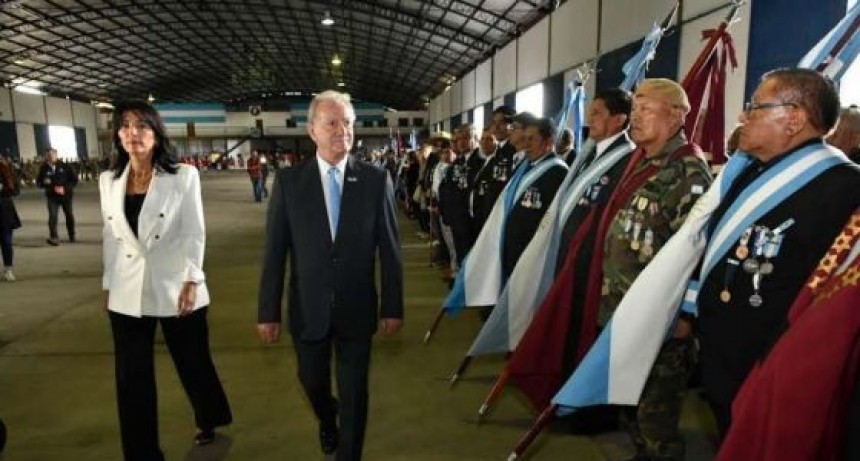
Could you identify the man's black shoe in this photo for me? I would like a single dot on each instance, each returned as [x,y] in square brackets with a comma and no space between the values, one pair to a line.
[328,438]
[53,241]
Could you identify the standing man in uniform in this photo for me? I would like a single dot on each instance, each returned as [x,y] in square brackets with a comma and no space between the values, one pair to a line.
[770,229]
[498,169]
[331,216]
[666,176]
[456,189]
[528,198]
[59,181]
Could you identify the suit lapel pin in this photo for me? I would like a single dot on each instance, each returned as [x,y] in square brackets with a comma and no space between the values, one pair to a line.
[352,179]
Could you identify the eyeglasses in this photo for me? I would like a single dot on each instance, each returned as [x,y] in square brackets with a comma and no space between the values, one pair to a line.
[751,106]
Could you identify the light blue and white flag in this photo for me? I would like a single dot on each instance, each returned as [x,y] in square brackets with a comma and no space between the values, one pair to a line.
[616,367]
[634,69]
[833,55]
[572,113]
[534,273]
[479,281]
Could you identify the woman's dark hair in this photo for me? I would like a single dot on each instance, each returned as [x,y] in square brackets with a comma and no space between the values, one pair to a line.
[163,159]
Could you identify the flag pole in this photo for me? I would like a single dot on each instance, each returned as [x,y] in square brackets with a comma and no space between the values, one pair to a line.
[545,417]
[706,53]
[491,398]
[434,325]
[461,369]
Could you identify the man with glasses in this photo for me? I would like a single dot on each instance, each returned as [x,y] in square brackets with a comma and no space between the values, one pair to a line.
[780,209]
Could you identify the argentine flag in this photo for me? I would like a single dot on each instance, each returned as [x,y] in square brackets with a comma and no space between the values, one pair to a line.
[837,50]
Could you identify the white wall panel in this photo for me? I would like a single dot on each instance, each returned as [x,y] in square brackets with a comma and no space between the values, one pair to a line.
[693,8]
[484,82]
[498,102]
[26,140]
[445,113]
[456,92]
[624,21]
[505,70]
[468,82]
[533,54]
[692,45]
[5,105]
[59,111]
[573,38]
[28,107]
[84,116]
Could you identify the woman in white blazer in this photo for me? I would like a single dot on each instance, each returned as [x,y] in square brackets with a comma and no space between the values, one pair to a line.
[154,239]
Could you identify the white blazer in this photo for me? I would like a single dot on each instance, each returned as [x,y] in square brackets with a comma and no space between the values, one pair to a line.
[144,274]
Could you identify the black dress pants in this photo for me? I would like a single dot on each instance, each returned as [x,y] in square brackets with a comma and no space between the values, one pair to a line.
[54,203]
[187,340]
[352,359]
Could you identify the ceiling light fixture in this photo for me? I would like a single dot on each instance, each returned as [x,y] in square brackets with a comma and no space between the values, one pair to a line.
[29,90]
[335,61]
[327,20]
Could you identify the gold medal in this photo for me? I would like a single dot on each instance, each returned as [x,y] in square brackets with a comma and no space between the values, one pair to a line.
[742,252]
[634,245]
[647,251]
[643,203]
[725,295]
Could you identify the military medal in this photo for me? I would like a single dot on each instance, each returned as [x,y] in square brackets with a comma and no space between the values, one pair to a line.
[527,198]
[642,204]
[647,250]
[755,299]
[536,201]
[726,295]
[743,251]
[628,221]
[634,243]
[604,180]
[751,266]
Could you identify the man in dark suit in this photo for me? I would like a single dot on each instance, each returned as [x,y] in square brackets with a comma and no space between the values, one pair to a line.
[332,216]
[59,181]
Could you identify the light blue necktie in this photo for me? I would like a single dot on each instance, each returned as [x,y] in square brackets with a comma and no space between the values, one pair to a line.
[333,200]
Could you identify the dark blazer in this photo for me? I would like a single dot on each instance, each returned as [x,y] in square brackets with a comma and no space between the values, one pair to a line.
[62,175]
[332,284]
[522,223]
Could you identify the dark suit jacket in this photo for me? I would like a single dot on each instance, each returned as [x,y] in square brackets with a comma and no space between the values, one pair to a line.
[332,284]
[62,175]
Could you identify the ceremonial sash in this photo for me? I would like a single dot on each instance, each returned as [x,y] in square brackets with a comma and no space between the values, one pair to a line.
[760,197]
[535,270]
[479,281]
[615,369]
[774,418]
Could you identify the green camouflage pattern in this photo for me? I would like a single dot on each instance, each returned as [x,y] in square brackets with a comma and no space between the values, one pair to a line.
[653,424]
[660,206]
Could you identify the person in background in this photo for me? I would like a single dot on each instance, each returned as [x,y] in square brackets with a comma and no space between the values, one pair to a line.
[255,172]
[565,146]
[846,135]
[59,181]
[154,238]
[9,220]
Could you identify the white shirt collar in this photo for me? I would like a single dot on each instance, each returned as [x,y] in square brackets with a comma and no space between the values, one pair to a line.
[325,166]
[603,145]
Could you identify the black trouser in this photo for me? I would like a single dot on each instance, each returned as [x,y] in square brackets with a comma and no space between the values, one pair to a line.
[187,340]
[352,363]
[53,204]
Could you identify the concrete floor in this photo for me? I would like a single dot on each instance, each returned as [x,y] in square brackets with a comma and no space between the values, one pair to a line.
[56,373]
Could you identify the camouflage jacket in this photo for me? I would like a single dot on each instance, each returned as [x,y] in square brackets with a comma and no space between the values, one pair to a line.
[648,218]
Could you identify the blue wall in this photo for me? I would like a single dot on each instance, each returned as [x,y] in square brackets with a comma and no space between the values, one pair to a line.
[782,34]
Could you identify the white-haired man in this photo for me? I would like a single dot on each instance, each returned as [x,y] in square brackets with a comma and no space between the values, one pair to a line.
[332,216]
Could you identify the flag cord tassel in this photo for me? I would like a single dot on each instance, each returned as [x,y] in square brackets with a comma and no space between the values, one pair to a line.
[541,422]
